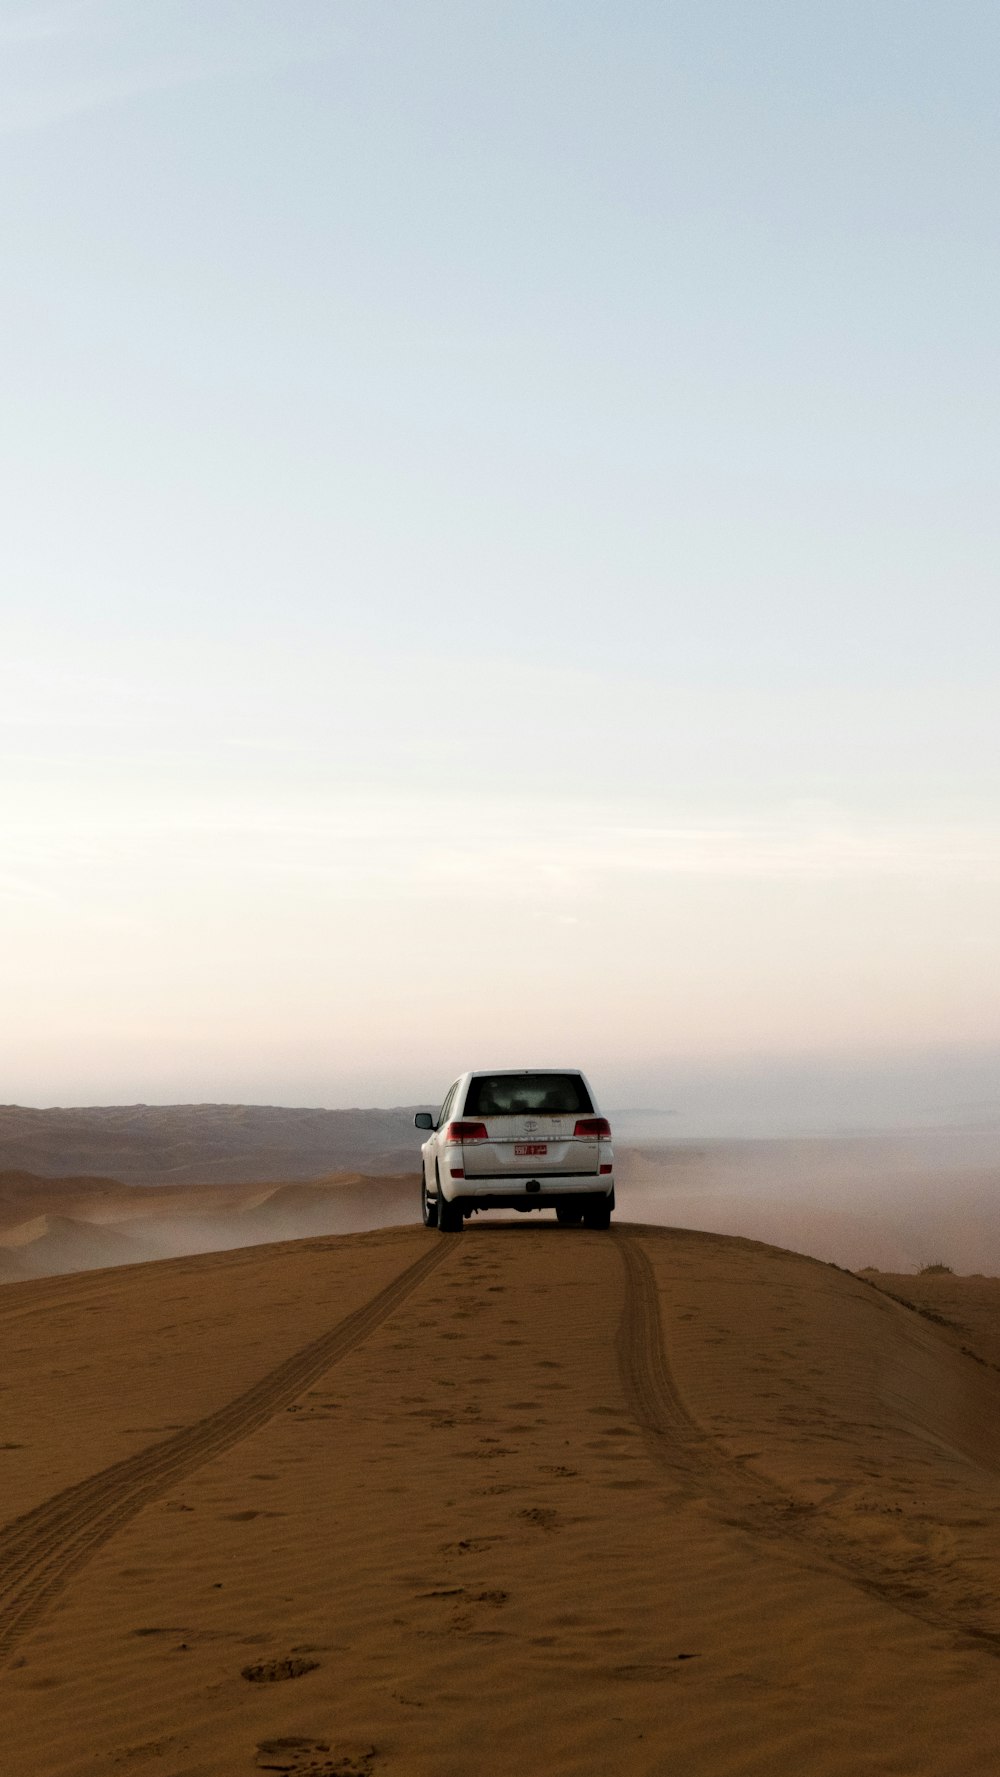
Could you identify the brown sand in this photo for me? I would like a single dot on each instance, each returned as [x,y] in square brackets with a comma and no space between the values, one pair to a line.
[526,1500]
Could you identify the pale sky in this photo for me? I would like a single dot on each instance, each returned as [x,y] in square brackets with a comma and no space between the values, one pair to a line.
[499,544]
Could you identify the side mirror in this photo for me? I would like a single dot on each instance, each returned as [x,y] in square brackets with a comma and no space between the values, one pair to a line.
[423,1120]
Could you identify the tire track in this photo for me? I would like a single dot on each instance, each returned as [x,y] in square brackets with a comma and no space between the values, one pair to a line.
[40,1551]
[675,1440]
[746,1501]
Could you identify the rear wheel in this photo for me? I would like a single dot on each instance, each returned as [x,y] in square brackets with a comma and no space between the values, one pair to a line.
[597,1215]
[449,1216]
[570,1214]
[428,1205]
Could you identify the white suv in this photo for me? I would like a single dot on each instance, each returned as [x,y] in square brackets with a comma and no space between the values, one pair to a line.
[531,1139]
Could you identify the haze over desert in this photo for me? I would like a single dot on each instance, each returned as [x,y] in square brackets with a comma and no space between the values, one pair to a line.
[165,1180]
[499,707]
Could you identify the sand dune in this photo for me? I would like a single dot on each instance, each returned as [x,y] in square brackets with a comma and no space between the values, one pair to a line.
[145,1144]
[47,1245]
[530,1499]
[969,1307]
[50,1226]
[11,1267]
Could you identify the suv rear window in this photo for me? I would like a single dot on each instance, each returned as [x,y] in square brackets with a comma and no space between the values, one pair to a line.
[505,1095]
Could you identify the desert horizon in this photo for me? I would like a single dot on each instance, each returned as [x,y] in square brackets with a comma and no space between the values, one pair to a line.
[106,1185]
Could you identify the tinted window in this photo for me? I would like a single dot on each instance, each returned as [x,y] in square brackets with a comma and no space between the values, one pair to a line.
[446,1107]
[505,1095]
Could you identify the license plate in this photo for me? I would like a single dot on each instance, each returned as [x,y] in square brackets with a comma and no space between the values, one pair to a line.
[530,1147]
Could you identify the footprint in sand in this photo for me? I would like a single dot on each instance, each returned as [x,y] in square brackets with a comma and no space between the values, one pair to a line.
[301,1757]
[471,1545]
[542,1517]
[275,1671]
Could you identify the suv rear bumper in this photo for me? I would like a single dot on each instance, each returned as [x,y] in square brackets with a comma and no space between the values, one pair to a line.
[517,1193]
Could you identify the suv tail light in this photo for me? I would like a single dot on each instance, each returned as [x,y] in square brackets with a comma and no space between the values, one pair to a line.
[593,1126]
[466,1132]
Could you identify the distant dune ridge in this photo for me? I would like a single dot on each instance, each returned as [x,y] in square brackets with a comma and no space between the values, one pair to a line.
[81,1188]
[172,1179]
[86,1188]
[532,1499]
[184,1144]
